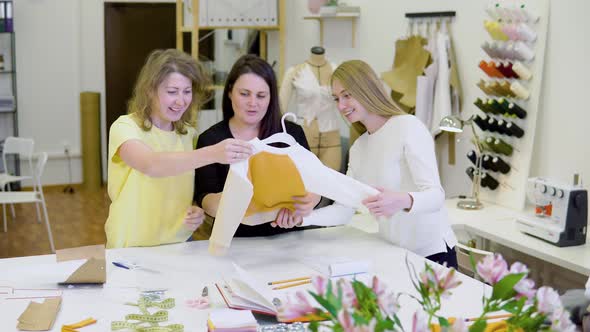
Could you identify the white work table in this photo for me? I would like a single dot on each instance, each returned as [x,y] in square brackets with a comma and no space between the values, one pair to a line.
[187,267]
[498,224]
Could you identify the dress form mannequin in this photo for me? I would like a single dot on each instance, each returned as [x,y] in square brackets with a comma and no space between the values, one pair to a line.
[308,83]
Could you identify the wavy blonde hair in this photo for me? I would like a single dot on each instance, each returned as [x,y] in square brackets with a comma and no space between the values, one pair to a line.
[160,64]
[363,84]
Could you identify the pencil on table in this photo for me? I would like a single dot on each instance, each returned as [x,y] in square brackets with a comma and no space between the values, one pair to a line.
[293,285]
[288,280]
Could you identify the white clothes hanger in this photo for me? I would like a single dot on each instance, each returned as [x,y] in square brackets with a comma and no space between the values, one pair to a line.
[282,137]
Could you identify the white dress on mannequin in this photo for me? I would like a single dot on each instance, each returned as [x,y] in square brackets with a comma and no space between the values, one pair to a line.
[312,100]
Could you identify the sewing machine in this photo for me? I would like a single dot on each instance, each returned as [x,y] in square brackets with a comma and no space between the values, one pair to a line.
[560,213]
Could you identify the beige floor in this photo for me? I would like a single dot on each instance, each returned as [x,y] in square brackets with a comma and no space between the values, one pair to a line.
[76,219]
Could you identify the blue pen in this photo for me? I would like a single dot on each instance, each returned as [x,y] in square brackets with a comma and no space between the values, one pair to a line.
[121,265]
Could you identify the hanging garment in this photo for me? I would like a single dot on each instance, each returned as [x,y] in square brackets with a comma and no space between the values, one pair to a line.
[410,60]
[442,93]
[257,188]
[425,86]
[314,102]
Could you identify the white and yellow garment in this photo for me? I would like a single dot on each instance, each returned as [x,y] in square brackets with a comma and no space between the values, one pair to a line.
[256,189]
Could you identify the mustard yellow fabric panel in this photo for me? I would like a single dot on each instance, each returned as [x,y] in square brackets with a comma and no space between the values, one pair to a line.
[276,180]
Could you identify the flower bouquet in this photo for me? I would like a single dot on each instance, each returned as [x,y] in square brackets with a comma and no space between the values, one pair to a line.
[352,306]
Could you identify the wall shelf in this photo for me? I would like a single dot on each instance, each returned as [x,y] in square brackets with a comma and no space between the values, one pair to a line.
[338,16]
[180,29]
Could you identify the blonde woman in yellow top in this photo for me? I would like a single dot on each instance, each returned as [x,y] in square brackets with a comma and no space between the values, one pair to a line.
[151,158]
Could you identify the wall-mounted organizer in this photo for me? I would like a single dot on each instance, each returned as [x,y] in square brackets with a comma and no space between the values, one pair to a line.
[511,70]
[8,102]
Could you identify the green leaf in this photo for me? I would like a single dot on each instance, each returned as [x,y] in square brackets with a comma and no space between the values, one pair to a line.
[478,326]
[360,320]
[326,304]
[504,289]
[313,326]
[385,325]
[443,322]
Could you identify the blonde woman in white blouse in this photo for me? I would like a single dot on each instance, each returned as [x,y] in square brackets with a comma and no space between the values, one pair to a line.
[395,155]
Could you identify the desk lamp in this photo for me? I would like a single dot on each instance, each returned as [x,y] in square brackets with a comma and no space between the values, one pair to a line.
[454,124]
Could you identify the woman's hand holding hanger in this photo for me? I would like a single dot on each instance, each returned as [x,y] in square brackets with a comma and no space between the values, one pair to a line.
[231,151]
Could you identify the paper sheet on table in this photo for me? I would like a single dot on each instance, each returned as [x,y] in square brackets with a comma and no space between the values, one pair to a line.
[232,319]
[45,273]
[39,316]
[93,271]
[330,266]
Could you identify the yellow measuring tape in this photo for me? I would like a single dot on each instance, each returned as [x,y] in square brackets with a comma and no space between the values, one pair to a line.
[146,322]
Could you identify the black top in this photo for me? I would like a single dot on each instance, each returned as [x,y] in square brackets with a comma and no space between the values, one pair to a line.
[210,179]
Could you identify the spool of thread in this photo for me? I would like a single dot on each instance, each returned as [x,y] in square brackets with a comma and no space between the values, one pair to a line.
[514,130]
[502,128]
[516,110]
[523,52]
[486,162]
[492,10]
[490,69]
[481,121]
[500,165]
[520,91]
[486,47]
[522,71]
[504,86]
[495,106]
[525,32]
[500,146]
[472,156]
[495,30]
[480,104]
[510,30]
[489,181]
[493,125]
[470,170]
[488,144]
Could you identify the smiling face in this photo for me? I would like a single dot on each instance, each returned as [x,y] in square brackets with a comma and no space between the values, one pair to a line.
[174,96]
[250,97]
[347,105]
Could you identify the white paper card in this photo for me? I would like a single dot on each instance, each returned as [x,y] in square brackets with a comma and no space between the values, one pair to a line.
[229,318]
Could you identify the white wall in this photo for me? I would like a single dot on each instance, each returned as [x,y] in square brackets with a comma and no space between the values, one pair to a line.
[59,58]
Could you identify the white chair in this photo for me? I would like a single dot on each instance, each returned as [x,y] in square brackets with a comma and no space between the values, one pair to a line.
[464,254]
[22,147]
[35,196]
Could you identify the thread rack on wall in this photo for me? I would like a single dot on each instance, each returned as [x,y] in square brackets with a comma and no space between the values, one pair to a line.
[511,70]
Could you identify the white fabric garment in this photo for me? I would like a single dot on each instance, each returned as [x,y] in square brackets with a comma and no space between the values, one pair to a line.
[425,85]
[317,178]
[399,157]
[311,99]
[442,91]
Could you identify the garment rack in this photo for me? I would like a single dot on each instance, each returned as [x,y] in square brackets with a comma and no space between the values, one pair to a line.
[430,14]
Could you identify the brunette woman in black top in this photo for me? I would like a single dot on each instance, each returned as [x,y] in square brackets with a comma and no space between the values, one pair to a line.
[250,109]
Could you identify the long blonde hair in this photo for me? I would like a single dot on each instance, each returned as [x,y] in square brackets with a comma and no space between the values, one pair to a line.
[361,81]
[160,64]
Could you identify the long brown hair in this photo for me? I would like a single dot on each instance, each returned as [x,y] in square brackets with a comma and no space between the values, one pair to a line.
[160,64]
[271,122]
[363,84]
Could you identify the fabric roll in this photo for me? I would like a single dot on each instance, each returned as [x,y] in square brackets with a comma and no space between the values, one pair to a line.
[90,140]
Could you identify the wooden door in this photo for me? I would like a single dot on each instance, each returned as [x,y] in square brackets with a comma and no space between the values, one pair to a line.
[132,31]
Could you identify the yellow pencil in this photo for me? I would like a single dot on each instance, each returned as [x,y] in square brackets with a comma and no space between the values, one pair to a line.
[293,285]
[288,280]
